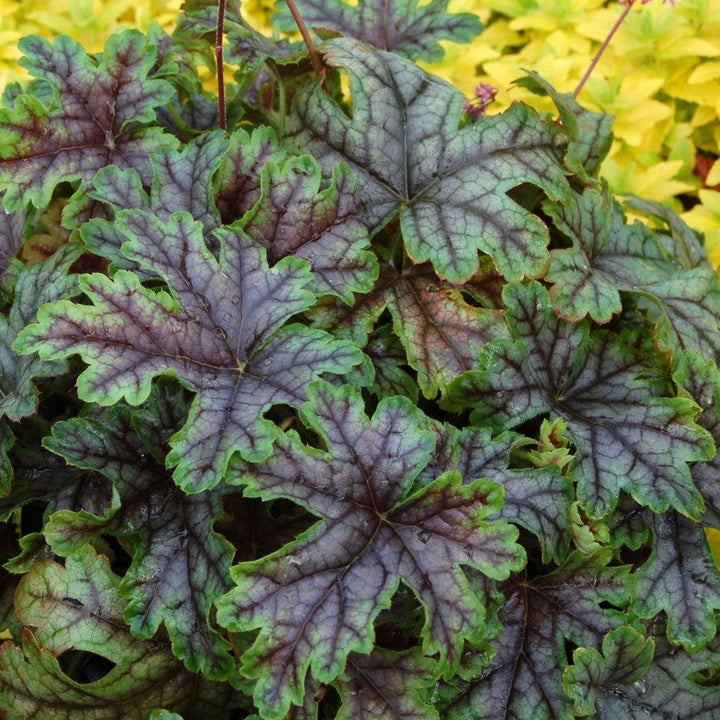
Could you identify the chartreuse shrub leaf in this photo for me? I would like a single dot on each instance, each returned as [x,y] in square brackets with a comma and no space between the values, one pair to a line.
[406,27]
[315,600]
[180,565]
[35,285]
[78,607]
[218,328]
[630,433]
[447,185]
[622,683]
[574,603]
[97,113]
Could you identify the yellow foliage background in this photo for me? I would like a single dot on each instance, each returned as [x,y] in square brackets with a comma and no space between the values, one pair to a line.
[660,77]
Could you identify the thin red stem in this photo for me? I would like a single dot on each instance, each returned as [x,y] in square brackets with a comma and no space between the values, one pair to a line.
[314,57]
[603,47]
[220,64]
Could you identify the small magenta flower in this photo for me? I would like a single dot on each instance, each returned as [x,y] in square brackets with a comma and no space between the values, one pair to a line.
[484,97]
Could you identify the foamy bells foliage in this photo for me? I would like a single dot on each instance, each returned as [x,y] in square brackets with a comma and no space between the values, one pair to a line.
[362,408]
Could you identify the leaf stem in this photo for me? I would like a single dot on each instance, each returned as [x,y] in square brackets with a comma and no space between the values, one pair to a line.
[220,64]
[314,57]
[603,47]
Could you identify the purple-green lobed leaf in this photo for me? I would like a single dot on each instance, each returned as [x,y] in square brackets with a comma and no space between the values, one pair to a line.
[524,679]
[180,565]
[315,600]
[448,186]
[406,27]
[99,115]
[630,433]
[217,329]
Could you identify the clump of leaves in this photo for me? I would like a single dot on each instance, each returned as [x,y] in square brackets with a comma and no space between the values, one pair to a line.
[363,408]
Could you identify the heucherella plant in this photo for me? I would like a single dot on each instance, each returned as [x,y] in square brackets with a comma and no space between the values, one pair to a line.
[332,396]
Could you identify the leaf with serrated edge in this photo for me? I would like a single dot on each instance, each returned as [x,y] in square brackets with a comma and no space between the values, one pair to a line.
[701,380]
[625,658]
[591,132]
[524,678]
[95,119]
[218,332]
[405,27]
[293,217]
[448,186]
[611,393]
[609,256]
[442,333]
[180,565]
[671,689]
[386,685]
[42,283]
[78,607]
[316,598]
[681,578]
[538,499]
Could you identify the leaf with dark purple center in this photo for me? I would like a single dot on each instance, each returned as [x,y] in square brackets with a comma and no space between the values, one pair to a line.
[99,115]
[448,186]
[630,433]
[524,679]
[315,600]
[218,329]
[406,27]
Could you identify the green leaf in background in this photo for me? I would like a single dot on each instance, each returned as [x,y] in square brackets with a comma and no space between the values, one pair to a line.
[99,114]
[609,257]
[315,600]
[406,27]
[629,434]
[448,186]
[218,330]
[77,607]
[626,656]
